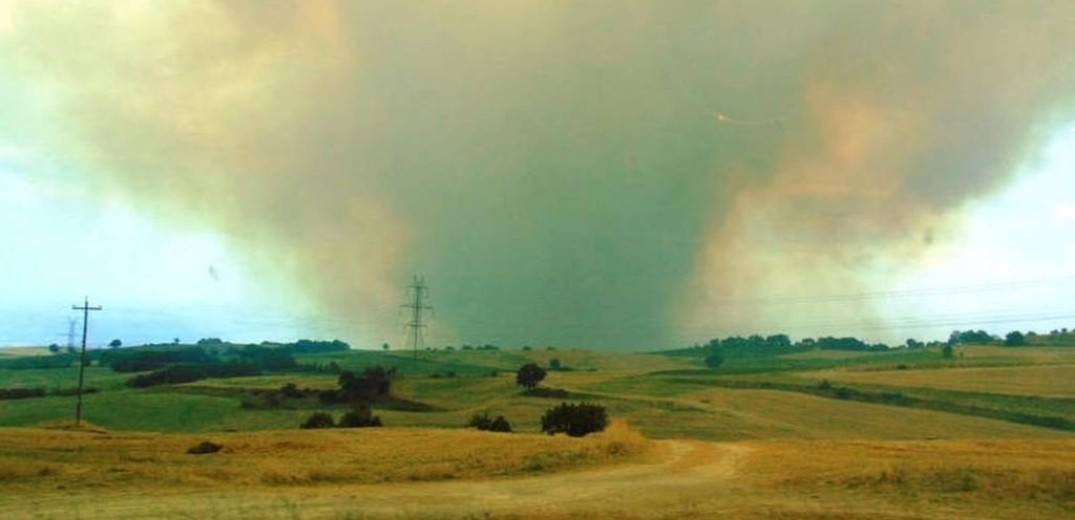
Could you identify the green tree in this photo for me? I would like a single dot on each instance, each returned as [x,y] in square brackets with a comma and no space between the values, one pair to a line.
[115,343]
[54,348]
[714,360]
[947,352]
[1015,339]
[529,376]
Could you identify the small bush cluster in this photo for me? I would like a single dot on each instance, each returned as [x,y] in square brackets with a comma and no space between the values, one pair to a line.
[318,420]
[177,374]
[360,417]
[374,383]
[576,420]
[483,422]
[204,447]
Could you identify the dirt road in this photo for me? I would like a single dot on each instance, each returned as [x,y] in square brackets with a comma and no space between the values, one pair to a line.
[680,470]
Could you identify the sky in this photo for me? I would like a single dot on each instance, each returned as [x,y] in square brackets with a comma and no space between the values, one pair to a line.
[601,174]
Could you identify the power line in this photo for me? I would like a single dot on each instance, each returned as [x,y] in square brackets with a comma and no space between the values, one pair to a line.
[85,308]
[1050,283]
[417,306]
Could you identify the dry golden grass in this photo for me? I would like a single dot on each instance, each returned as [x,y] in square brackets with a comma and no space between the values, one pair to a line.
[1013,475]
[1056,381]
[42,459]
[818,480]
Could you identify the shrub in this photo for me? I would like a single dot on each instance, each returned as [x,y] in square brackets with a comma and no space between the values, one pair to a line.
[575,420]
[291,391]
[318,420]
[204,447]
[361,417]
[485,423]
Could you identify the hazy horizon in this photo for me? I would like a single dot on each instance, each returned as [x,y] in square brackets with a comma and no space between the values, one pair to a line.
[601,174]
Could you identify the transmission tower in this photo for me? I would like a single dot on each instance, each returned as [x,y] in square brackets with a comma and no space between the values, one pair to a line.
[70,333]
[85,308]
[418,292]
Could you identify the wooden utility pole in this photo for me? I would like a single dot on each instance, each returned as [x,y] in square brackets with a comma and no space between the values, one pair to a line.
[85,308]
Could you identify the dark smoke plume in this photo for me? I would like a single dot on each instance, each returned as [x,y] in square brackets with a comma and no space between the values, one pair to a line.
[596,174]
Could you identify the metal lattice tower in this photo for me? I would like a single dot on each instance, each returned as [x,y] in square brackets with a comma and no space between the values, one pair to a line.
[418,292]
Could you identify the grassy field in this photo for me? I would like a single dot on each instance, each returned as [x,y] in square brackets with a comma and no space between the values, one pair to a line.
[1050,381]
[807,434]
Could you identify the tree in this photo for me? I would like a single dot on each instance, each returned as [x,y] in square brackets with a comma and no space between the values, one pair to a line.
[374,383]
[1015,339]
[529,376]
[947,352]
[385,347]
[54,348]
[576,420]
[714,360]
[115,343]
[554,364]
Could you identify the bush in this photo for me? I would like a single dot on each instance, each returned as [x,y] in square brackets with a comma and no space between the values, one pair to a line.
[204,447]
[485,423]
[575,420]
[360,417]
[318,420]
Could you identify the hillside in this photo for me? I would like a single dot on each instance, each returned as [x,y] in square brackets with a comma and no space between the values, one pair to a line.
[790,434]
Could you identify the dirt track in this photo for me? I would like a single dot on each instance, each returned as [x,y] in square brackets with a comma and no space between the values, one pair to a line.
[682,469]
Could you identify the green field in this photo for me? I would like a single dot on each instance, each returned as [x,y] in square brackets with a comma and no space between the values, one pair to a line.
[987,391]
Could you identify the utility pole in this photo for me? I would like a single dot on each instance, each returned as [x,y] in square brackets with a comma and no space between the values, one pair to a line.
[85,308]
[417,306]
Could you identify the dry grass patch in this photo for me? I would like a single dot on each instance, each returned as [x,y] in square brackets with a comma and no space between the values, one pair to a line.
[993,471]
[56,459]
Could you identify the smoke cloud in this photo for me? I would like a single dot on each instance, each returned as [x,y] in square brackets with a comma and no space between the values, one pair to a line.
[562,173]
